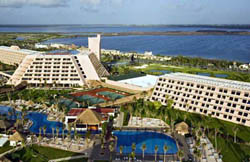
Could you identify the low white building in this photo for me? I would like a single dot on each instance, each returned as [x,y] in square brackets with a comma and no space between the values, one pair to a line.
[16,139]
[3,140]
[41,46]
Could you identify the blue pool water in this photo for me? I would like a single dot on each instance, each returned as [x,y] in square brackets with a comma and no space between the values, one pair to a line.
[39,120]
[9,113]
[151,139]
[221,75]
[161,71]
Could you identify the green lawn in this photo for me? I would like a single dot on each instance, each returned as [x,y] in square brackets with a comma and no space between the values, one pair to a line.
[191,70]
[39,154]
[5,148]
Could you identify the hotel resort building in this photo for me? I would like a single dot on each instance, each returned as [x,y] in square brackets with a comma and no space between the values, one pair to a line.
[14,55]
[223,99]
[58,69]
[88,119]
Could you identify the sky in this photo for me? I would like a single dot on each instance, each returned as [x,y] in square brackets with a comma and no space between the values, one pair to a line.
[125,12]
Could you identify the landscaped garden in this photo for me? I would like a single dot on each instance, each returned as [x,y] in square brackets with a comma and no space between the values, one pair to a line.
[158,69]
[37,153]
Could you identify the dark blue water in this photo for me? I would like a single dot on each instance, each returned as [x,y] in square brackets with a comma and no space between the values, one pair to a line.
[151,139]
[39,121]
[107,29]
[228,47]
[9,113]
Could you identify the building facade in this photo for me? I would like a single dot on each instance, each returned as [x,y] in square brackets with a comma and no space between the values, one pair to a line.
[94,44]
[62,70]
[14,55]
[54,69]
[223,99]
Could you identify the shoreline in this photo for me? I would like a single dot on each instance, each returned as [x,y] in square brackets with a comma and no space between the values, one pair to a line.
[173,33]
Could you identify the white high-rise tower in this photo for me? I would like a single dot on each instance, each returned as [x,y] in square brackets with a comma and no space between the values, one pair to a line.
[94,44]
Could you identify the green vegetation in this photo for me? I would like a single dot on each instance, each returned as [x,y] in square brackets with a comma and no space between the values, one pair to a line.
[200,124]
[240,76]
[36,95]
[4,67]
[37,153]
[126,76]
[6,147]
[28,40]
[77,160]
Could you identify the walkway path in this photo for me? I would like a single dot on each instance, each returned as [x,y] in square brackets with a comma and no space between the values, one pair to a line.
[69,158]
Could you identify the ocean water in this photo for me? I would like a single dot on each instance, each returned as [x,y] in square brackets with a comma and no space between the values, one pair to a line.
[106,28]
[227,47]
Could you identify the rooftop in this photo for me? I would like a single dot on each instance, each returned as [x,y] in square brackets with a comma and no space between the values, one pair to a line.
[147,81]
[209,80]
[16,49]
[78,111]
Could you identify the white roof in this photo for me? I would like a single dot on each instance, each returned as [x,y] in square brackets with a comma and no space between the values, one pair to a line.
[210,80]
[3,140]
[24,51]
[147,81]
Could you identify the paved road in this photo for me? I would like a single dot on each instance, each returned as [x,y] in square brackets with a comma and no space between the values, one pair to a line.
[69,158]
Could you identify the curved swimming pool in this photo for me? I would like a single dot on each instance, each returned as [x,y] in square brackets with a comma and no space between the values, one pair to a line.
[151,139]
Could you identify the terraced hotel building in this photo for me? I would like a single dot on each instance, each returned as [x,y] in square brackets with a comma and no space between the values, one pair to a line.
[223,99]
[58,69]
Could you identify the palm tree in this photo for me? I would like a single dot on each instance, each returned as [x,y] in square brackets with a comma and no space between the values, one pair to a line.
[87,136]
[121,150]
[132,155]
[63,132]
[111,149]
[235,130]
[53,134]
[133,146]
[44,130]
[180,154]
[78,141]
[57,132]
[165,149]
[75,132]
[215,137]
[40,134]
[156,150]
[143,147]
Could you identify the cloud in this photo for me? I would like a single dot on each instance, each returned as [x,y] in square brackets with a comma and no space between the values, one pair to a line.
[40,3]
[97,5]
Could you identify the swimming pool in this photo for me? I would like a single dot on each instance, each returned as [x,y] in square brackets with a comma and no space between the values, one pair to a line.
[10,113]
[151,139]
[39,120]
